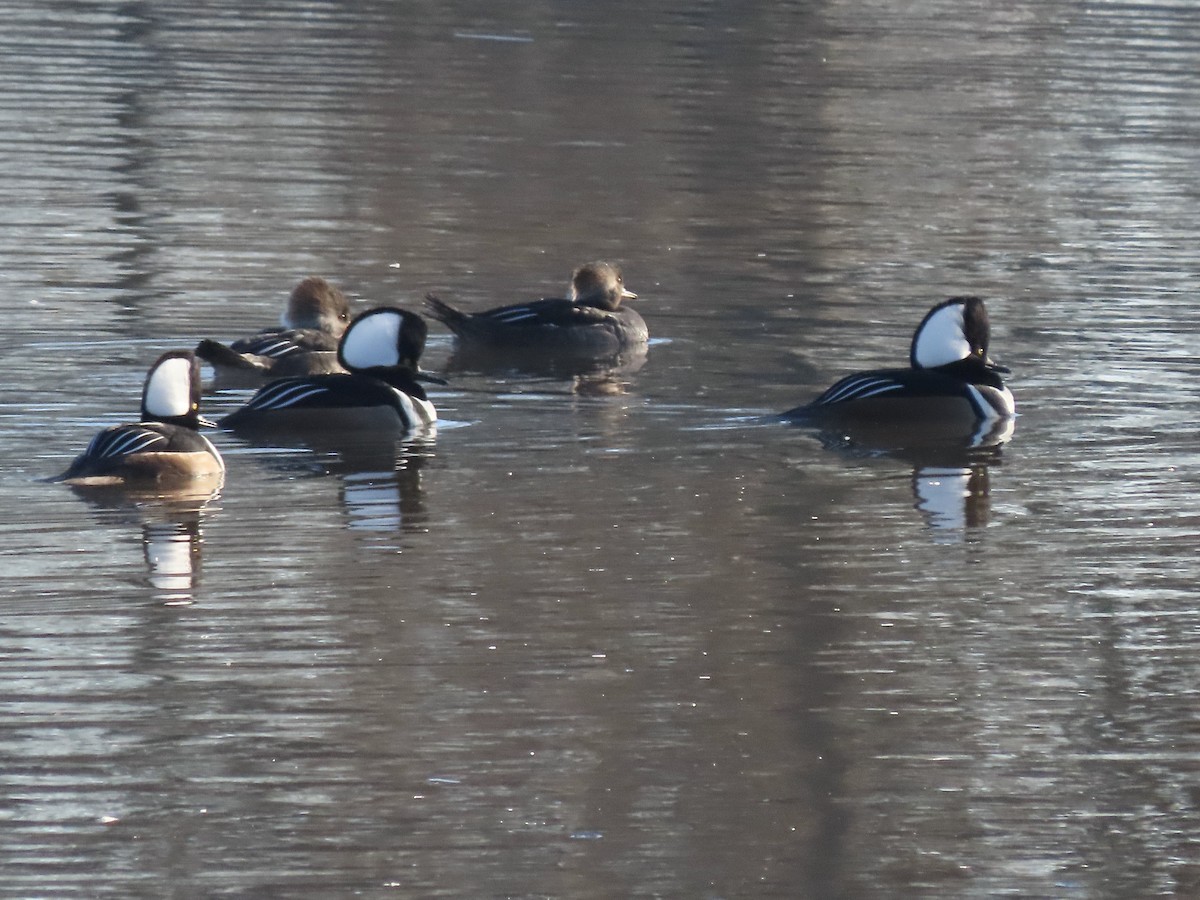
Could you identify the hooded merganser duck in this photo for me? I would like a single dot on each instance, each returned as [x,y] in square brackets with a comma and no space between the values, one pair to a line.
[950,378]
[165,446]
[378,391]
[591,322]
[315,317]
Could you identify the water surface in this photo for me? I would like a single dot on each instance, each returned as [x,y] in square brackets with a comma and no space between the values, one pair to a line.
[609,637]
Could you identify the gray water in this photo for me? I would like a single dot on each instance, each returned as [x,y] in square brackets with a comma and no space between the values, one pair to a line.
[609,637]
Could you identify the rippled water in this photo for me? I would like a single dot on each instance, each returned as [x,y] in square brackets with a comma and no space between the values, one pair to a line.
[609,638]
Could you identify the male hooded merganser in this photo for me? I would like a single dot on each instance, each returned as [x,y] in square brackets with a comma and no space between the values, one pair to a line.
[165,445]
[312,322]
[378,391]
[591,322]
[950,378]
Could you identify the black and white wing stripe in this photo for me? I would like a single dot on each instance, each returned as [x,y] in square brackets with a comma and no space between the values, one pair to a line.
[312,395]
[511,315]
[859,387]
[122,440]
[550,312]
[272,346]
[278,344]
[289,393]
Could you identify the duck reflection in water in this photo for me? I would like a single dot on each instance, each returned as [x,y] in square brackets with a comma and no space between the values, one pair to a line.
[386,500]
[379,477]
[380,484]
[953,499]
[172,534]
[606,375]
[950,466]
[172,553]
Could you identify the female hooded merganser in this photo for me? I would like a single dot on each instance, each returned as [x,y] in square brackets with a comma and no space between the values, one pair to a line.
[951,378]
[378,391]
[592,322]
[165,445]
[315,317]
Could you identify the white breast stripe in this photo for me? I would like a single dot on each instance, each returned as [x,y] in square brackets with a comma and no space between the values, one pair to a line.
[416,411]
[213,450]
[406,405]
[428,413]
[990,403]
[1005,402]
[983,409]
[284,394]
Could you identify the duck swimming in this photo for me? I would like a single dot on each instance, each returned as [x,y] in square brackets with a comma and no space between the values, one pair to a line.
[591,322]
[380,389]
[950,377]
[165,445]
[313,321]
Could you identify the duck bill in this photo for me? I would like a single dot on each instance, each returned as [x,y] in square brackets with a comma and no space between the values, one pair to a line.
[205,423]
[628,295]
[997,367]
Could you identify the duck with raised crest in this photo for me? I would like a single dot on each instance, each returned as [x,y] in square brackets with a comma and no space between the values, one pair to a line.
[165,446]
[950,377]
[313,321]
[379,391]
[592,321]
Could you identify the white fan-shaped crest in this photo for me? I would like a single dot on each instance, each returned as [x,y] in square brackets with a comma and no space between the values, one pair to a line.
[169,388]
[373,340]
[941,339]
